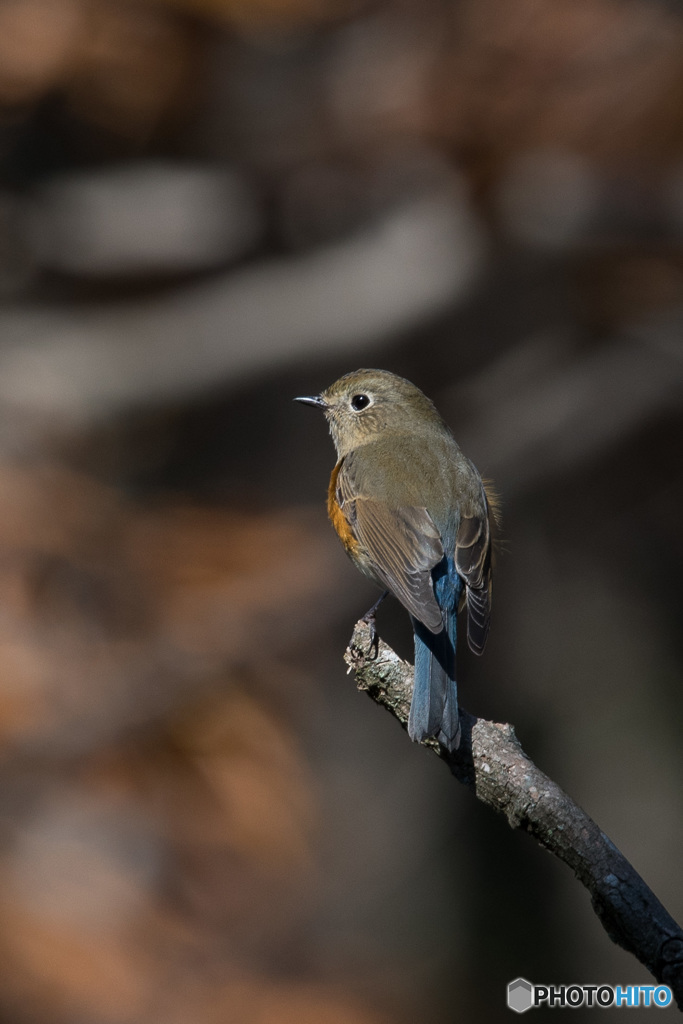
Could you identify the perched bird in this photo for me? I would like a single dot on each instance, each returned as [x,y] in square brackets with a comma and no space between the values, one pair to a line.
[413,515]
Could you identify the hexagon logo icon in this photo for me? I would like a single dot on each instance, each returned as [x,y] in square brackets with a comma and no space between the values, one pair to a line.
[520,995]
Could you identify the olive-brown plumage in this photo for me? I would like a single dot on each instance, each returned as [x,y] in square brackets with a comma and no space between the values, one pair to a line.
[412,513]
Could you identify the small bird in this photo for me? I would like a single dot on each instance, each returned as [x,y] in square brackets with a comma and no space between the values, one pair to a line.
[413,515]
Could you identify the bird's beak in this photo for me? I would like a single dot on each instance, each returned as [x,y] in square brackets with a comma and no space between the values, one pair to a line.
[316,400]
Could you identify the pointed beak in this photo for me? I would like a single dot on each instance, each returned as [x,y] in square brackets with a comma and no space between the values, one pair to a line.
[316,400]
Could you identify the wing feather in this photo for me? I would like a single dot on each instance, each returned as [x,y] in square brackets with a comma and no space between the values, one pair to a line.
[473,562]
[402,544]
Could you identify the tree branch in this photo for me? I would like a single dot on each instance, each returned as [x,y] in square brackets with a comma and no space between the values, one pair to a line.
[491,762]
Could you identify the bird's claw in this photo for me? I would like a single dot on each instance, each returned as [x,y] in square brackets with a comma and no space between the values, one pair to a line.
[370,620]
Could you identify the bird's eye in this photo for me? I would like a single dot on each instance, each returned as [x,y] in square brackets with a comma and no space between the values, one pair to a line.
[359,402]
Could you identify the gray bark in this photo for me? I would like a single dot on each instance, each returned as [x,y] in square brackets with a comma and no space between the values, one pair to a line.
[492,763]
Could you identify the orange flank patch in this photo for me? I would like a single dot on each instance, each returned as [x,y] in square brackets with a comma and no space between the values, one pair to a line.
[337,517]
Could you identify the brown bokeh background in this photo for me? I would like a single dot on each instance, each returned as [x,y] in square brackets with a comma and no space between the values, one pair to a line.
[207,208]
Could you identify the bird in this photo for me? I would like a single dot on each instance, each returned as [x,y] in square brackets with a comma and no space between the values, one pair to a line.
[415,517]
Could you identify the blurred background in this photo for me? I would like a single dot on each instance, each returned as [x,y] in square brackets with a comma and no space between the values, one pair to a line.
[208,207]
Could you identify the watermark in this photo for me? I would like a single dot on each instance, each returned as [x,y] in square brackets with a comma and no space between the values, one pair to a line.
[523,996]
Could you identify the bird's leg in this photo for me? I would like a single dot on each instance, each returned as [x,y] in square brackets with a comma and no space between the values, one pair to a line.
[369,619]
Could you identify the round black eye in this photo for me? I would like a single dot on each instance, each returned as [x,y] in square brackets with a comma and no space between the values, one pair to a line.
[359,402]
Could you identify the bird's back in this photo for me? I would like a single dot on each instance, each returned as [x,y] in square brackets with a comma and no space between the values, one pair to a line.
[423,469]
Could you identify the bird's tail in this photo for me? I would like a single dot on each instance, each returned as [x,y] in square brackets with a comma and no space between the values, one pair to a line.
[434,707]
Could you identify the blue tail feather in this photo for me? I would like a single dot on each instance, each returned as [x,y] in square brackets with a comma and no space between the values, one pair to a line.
[434,707]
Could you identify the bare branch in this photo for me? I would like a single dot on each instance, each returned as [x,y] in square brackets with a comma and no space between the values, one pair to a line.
[491,762]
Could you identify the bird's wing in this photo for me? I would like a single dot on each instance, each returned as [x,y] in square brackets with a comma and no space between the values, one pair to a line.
[473,563]
[402,544]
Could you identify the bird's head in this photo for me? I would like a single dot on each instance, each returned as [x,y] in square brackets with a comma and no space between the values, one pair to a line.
[365,404]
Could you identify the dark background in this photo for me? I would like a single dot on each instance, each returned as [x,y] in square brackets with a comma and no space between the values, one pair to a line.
[207,208]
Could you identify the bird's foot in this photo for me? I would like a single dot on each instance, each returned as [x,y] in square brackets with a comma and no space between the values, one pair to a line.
[370,620]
